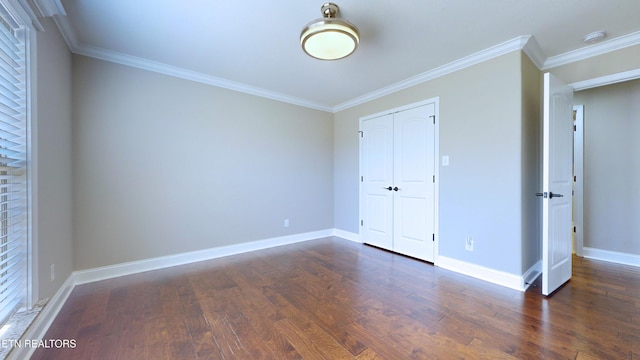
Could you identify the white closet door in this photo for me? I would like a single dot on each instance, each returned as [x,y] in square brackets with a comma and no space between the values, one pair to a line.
[377,198]
[414,169]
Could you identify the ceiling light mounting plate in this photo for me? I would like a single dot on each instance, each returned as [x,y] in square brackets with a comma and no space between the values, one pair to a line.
[329,10]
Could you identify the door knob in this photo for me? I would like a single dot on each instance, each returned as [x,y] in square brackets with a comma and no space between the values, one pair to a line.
[552,195]
[396,188]
[388,188]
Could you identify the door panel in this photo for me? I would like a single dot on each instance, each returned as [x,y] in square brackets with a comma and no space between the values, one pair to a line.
[412,226]
[557,184]
[377,158]
[413,175]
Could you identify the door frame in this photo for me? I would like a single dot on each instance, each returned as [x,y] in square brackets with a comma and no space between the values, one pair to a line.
[436,154]
[578,184]
[578,157]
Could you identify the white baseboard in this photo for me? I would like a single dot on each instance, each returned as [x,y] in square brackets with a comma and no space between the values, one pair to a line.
[347,235]
[611,256]
[531,275]
[516,282]
[39,327]
[133,267]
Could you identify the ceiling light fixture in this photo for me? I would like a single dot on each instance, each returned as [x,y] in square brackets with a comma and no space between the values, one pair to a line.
[329,38]
[594,37]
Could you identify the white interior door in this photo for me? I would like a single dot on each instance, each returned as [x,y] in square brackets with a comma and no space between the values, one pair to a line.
[414,187]
[377,182]
[557,180]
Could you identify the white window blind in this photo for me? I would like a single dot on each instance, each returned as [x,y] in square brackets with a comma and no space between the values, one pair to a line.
[13,171]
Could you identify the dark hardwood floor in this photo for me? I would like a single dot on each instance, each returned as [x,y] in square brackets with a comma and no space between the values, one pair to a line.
[334,299]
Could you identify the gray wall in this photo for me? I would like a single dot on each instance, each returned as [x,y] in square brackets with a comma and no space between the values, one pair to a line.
[612,166]
[531,165]
[481,130]
[52,158]
[164,165]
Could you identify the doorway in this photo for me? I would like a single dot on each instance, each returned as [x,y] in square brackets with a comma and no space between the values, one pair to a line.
[607,203]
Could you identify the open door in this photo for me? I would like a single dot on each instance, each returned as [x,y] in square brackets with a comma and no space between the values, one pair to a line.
[557,181]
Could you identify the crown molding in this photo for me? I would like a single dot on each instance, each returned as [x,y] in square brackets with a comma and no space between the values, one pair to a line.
[606,80]
[533,50]
[48,8]
[512,45]
[67,31]
[498,50]
[21,13]
[158,67]
[32,10]
[77,47]
[526,43]
[604,47]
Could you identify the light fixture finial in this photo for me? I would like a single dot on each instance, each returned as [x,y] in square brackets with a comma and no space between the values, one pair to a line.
[329,10]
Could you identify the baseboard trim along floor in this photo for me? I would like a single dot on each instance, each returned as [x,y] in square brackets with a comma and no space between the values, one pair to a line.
[41,324]
[516,282]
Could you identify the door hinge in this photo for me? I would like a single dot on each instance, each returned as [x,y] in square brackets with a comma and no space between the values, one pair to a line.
[433,117]
[574,229]
[361,133]
[361,222]
[434,179]
[361,178]
[575,178]
[433,237]
[575,128]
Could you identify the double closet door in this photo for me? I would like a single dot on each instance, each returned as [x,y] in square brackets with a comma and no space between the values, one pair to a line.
[398,182]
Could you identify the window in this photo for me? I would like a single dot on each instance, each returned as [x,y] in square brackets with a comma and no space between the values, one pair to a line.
[13,166]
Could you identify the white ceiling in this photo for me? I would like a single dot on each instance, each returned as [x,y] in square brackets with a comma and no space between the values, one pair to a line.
[253,46]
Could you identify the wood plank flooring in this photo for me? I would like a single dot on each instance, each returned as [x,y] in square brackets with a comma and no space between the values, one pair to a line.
[334,299]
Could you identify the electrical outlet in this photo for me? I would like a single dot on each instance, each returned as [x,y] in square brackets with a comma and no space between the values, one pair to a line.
[286,222]
[468,245]
[53,272]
